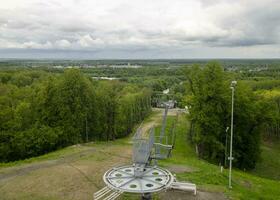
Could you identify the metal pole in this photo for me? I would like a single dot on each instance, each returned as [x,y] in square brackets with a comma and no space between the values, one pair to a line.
[226,149]
[163,123]
[233,83]
[86,130]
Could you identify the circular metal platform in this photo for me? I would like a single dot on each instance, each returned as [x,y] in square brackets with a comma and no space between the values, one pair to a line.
[152,179]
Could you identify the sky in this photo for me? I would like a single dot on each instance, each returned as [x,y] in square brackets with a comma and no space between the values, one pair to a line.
[139,29]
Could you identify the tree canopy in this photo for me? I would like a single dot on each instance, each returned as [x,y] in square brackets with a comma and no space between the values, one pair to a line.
[45,113]
[209,105]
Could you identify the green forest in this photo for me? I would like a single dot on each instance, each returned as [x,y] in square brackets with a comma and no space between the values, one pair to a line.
[43,111]
[209,102]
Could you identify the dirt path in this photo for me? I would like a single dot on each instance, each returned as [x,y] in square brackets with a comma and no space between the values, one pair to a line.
[156,119]
[153,121]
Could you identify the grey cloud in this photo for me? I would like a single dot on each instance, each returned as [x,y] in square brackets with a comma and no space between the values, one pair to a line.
[136,27]
[257,24]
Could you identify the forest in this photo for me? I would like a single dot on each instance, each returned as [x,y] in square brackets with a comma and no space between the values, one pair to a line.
[42,111]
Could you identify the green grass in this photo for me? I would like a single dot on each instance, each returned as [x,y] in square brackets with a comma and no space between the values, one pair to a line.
[246,185]
[209,177]
[269,165]
[67,151]
[53,155]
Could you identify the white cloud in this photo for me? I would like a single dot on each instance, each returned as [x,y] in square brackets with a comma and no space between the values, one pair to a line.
[125,25]
[62,44]
[88,41]
[35,45]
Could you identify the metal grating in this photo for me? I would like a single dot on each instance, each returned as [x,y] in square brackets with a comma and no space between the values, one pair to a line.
[142,148]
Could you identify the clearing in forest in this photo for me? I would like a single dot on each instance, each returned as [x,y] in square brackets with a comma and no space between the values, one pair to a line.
[76,172]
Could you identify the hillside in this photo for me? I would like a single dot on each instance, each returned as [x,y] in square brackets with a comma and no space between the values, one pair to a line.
[268,167]
[208,177]
[76,172]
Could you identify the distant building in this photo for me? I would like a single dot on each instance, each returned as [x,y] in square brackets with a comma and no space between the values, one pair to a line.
[58,67]
[104,78]
[187,109]
[165,91]
[125,66]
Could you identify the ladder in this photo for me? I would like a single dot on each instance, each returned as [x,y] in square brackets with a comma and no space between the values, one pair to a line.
[106,194]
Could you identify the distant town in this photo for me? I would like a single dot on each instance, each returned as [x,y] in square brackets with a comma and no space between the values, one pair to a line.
[128,65]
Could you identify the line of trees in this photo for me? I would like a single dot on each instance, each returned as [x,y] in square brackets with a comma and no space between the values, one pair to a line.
[41,112]
[272,100]
[209,105]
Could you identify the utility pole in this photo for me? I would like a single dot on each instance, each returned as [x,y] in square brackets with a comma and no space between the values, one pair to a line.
[86,130]
[233,84]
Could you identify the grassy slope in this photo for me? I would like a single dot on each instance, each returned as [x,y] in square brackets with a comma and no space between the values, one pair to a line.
[208,176]
[78,176]
[269,166]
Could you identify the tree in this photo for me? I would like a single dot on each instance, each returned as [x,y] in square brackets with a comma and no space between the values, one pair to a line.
[249,117]
[271,101]
[65,109]
[209,106]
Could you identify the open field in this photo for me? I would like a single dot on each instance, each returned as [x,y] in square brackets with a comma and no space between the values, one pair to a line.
[76,172]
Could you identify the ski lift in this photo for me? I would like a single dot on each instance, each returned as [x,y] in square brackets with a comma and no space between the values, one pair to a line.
[144,176]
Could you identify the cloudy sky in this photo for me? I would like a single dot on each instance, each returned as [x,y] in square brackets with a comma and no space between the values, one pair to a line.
[95,29]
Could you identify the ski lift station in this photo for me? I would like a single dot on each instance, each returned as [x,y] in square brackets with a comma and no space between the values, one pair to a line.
[144,176]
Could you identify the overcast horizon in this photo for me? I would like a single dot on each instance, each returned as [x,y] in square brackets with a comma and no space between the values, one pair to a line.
[139,29]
